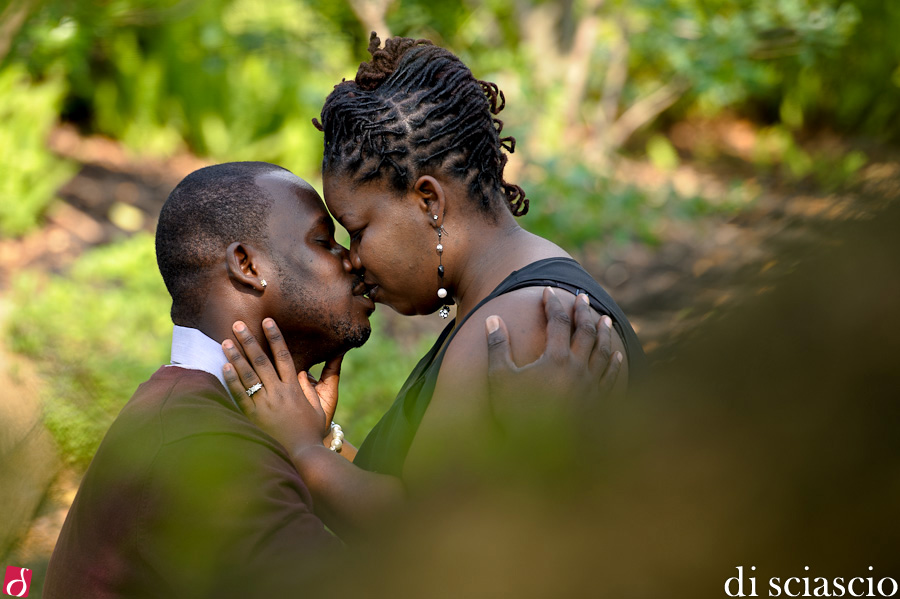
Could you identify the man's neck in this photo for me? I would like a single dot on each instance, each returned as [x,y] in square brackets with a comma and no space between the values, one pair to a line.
[219,328]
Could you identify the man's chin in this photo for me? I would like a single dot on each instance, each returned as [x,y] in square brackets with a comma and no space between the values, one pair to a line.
[357,337]
[349,339]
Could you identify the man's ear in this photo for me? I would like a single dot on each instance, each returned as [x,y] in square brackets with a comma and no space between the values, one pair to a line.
[243,262]
[429,192]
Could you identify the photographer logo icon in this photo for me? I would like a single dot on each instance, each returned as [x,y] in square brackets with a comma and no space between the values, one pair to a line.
[17,581]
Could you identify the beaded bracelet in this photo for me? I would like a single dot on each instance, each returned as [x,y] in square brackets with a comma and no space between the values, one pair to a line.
[337,437]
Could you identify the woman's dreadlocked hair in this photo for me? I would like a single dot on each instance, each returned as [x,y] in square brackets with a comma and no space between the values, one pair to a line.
[416,106]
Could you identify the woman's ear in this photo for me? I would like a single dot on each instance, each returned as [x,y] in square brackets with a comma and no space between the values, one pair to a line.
[430,194]
[243,263]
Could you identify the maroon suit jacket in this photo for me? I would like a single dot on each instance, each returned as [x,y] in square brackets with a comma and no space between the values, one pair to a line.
[187,497]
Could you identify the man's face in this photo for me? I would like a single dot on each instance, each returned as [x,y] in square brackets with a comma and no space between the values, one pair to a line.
[318,304]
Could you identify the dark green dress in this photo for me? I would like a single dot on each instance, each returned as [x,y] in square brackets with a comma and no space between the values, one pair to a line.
[386,447]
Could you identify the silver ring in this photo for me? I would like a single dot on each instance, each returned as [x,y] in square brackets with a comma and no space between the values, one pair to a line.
[254,389]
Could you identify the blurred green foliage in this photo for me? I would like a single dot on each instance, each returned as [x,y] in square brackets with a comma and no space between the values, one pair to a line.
[31,174]
[231,79]
[612,210]
[855,88]
[97,333]
[828,168]
[239,79]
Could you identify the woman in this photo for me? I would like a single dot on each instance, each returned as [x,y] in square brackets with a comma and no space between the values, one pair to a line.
[413,169]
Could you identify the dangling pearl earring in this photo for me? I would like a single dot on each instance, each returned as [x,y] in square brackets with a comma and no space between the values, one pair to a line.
[442,293]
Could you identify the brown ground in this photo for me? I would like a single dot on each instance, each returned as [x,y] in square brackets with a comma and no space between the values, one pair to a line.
[699,268]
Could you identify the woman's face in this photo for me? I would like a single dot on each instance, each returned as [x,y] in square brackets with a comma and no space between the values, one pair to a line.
[392,238]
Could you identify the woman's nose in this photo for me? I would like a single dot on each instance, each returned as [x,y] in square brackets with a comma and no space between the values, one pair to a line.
[351,260]
[354,257]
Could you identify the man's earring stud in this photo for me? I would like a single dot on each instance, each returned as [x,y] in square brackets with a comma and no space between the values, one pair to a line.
[263,283]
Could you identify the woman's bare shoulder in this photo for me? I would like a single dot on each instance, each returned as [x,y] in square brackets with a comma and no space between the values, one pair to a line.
[523,313]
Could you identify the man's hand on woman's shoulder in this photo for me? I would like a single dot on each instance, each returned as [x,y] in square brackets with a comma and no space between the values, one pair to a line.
[578,369]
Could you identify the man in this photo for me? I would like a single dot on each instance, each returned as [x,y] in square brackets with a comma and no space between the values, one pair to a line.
[186,497]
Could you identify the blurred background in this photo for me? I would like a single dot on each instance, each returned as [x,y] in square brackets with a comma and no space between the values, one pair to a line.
[690,153]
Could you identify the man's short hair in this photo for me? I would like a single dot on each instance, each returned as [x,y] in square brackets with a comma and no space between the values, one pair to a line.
[206,212]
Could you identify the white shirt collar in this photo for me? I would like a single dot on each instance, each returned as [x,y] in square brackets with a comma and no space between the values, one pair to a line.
[193,350]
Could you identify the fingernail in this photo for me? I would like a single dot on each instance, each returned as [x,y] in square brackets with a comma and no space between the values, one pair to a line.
[227,344]
[607,321]
[619,357]
[239,326]
[269,323]
[552,290]
[584,298]
[227,368]
[493,323]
